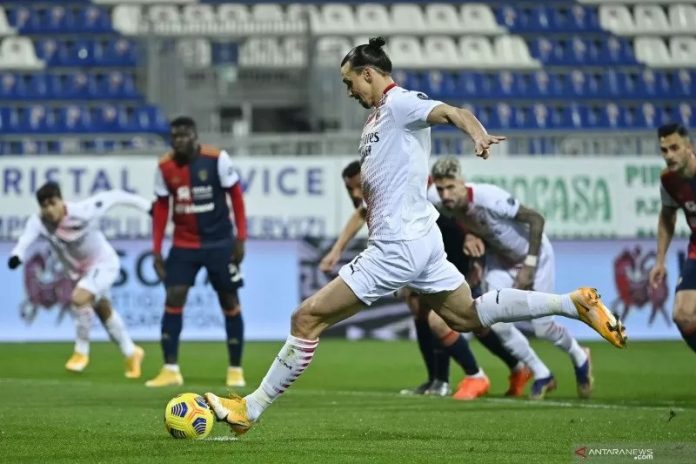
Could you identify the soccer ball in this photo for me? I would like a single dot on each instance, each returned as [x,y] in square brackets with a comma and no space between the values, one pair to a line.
[188,416]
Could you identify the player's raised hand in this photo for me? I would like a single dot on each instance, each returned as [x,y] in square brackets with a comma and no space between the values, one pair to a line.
[657,275]
[329,261]
[158,264]
[483,144]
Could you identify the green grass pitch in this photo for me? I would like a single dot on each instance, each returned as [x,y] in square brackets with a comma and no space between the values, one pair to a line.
[344,409]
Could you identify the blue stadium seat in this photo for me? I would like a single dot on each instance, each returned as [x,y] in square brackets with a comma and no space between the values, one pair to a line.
[116,85]
[10,86]
[469,84]
[33,119]
[505,84]
[108,118]
[439,85]
[607,116]
[72,119]
[541,84]
[94,19]
[116,52]
[575,18]
[149,118]
[56,19]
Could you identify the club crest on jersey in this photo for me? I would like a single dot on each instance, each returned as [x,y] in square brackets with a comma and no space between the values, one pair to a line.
[183,193]
[422,96]
[203,175]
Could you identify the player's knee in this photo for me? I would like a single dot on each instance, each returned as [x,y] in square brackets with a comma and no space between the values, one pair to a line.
[81,297]
[683,318]
[103,310]
[232,311]
[437,325]
[176,296]
[306,319]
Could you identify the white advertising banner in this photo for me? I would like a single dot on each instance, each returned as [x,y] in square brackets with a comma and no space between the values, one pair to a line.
[294,197]
[36,296]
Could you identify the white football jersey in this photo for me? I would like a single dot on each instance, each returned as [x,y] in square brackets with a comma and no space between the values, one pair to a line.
[490,215]
[394,152]
[77,239]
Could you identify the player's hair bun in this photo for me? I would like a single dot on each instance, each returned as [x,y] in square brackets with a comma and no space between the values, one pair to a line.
[376,42]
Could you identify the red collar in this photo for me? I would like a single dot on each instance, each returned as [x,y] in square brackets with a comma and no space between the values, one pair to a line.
[389,87]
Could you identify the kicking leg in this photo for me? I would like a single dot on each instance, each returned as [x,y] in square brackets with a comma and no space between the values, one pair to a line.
[118,333]
[685,316]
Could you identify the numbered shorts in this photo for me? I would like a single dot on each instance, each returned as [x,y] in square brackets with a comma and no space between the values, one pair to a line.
[101,276]
[183,264]
[385,267]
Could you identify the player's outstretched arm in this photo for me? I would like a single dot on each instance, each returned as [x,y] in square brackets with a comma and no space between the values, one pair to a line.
[111,198]
[467,122]
[30,233]
[665,232]
[354,224]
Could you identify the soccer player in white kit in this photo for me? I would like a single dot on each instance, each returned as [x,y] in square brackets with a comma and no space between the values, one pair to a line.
[405,246]
[519,255]
[71,228]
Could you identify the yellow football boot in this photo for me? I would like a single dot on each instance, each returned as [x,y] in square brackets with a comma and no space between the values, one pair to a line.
[77,362]
[133,363]
[235,377]
[232,410]
[593,313]
[166,378]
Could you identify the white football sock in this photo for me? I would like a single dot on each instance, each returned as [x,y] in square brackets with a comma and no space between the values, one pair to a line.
[548,329]
[291,361]
[117,331]
[172,367]
[519,346]
[510,305]
[83,323]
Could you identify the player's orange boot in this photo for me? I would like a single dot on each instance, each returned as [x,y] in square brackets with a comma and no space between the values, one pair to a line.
[77,362]
[133,363]
[235,377]
[593,313]
[517,381]
[166,378]
[471,388]
[232,410]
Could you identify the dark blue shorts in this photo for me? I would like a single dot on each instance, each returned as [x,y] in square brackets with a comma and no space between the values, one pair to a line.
[183,264]
[687,279]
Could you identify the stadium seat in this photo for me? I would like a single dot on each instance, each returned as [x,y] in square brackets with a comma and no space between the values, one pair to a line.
[440,85]
[233,13]
[478,18]
[682,18]
[18,53]
[202,15]
[682,83]
[476,52]
[293,51]
[94,19]
[407,18]
[443,18]
[261,52]
[441,52]
[686,114]
[11,87]
[72,119]
[575,18]
[370,17]
[267,12]
[56,19]
[651,19]
[300,11]
[505,85]
[609,116]
[614,51]
[22,19]
[225,52]
[406,52]
[469,84]
[195,52]
[108,119]
[652,51]
[333,17]
[616,19]
[165,18]
[5,28]
[513,52]
[116,85]
[126,19]
[332,49]
[118,52]
[33,119]
[683,51]
[77,86]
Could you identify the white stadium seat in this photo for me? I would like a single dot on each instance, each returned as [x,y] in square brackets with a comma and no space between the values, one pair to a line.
[407,18]
[476,52]
[260,52]
[616,19]
[650,19]
[195,53]
[371,17]
[233,13]
[652,51]
[683,51]
[330,50]
[405,52]
[442,18]
[267,12]
[441,52]
[300,11]
[126,19]
[294,51]
[512,51]
[166,15]
[333,17]
[478,18]
[682,18]
[18,53]
[202,14]
[5,28]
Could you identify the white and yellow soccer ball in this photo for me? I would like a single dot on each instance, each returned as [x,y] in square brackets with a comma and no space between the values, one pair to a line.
[188,416]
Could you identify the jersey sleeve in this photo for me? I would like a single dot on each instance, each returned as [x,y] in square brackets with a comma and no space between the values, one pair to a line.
[31,232]
[226,171]
[97,205]
[161,189]
[411,109]
[667,199]
[497,200]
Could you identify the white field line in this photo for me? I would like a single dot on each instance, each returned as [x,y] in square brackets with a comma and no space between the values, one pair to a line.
[381,394]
